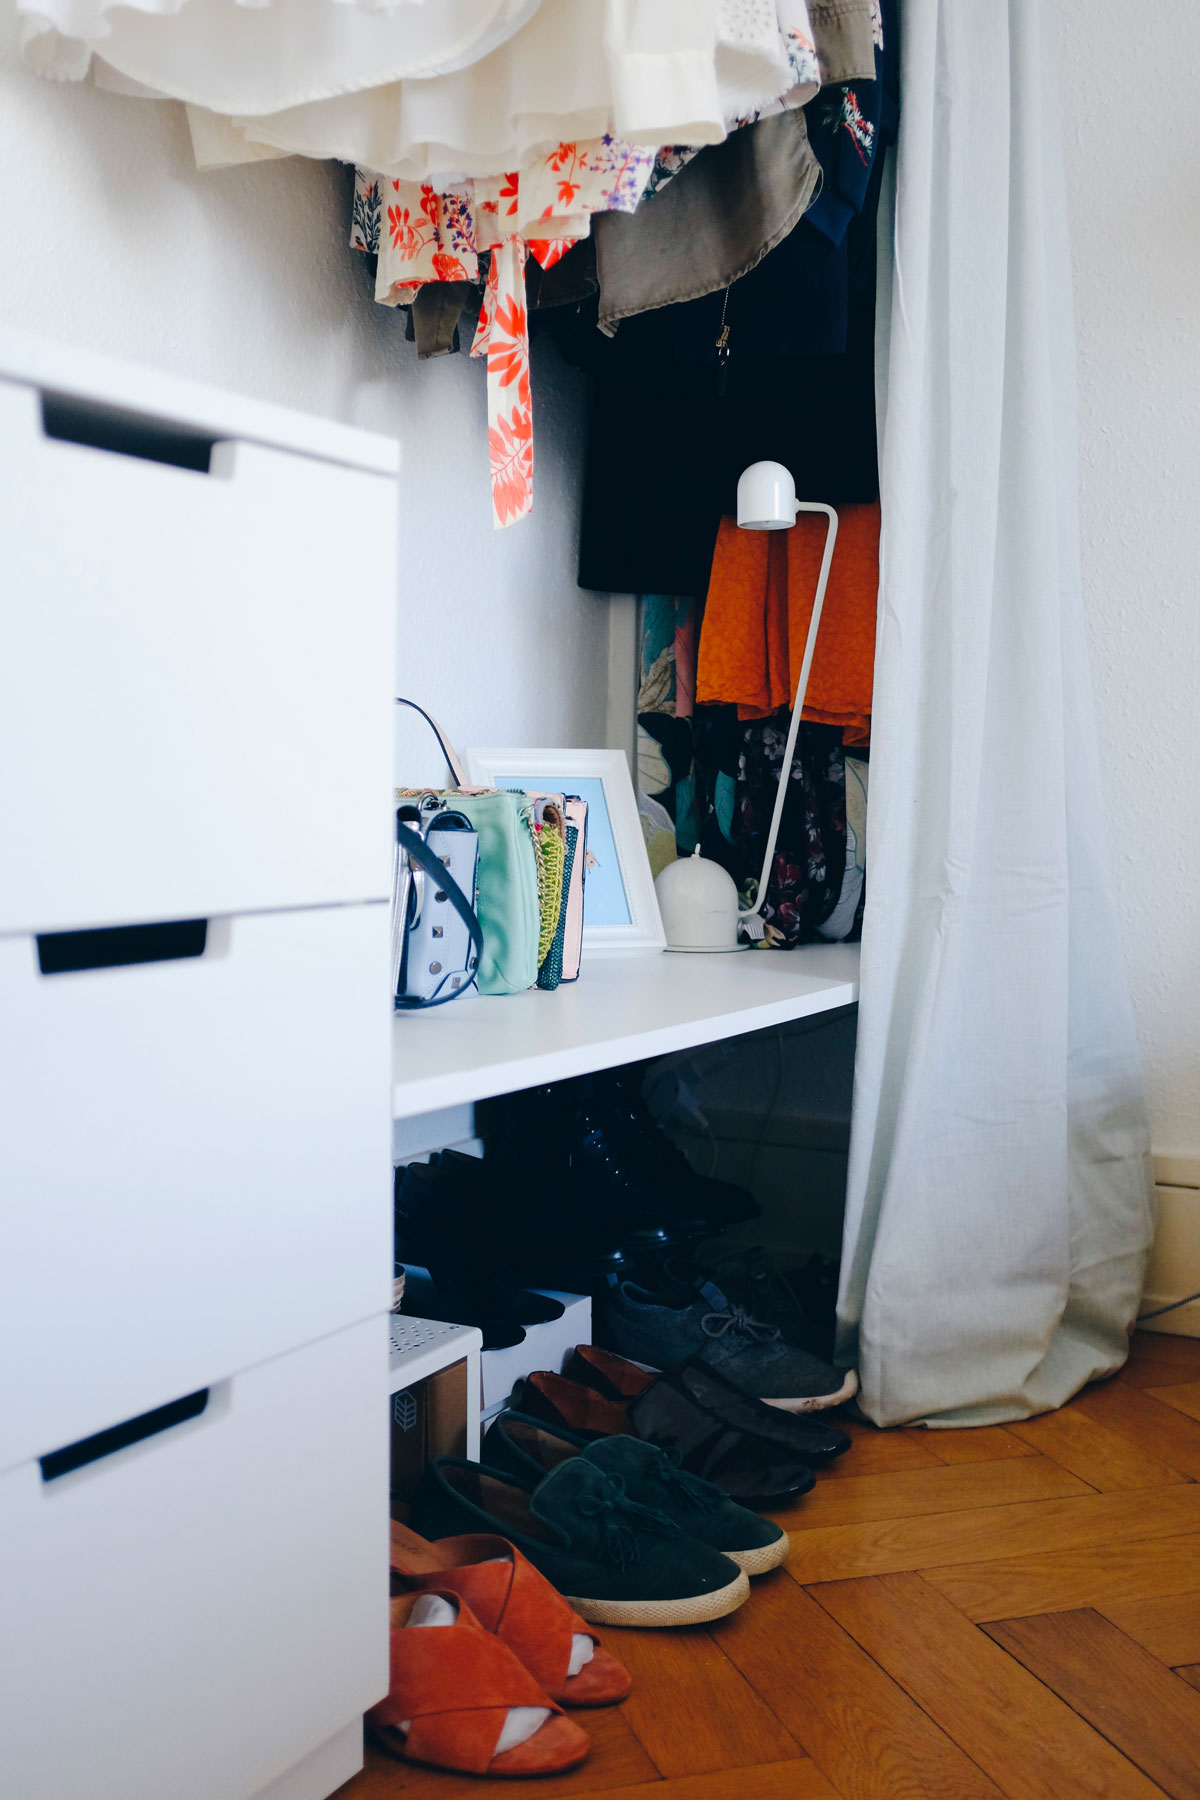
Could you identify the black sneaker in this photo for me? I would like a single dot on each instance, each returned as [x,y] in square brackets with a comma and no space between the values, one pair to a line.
[651,1328]
[750,1278]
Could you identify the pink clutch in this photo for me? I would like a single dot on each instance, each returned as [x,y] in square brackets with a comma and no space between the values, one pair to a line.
[572,949]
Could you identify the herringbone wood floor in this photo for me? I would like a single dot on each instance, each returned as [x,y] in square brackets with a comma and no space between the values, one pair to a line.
[1009,1611]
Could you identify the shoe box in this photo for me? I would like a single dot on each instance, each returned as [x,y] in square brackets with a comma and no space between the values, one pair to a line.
[546,1346]
[426,1420]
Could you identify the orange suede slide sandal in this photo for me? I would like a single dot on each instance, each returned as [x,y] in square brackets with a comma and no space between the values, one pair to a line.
[460,1700]
[507,1596]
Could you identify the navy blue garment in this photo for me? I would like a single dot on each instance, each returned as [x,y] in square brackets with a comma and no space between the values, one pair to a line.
[795,302]
[846,125]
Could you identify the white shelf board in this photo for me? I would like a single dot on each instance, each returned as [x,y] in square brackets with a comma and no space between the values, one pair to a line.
[621,1009]
[421,1347]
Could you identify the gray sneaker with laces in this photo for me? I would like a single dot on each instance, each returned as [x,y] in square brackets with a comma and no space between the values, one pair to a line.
[647,1328]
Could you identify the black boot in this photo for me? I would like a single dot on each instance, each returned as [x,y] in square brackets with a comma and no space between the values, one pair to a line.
[595,1165]
[720,1202]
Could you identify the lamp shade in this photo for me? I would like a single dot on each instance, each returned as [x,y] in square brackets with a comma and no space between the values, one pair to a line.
[766,498]
[698,901]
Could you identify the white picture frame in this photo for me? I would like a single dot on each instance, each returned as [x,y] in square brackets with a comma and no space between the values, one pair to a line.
[619,883]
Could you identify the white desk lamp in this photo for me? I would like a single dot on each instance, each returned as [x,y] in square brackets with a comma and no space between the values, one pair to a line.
[766,501]
[700,920]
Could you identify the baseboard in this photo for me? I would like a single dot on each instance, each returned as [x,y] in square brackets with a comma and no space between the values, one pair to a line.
[1175,1262]
[1177,1171]
[1181,1321]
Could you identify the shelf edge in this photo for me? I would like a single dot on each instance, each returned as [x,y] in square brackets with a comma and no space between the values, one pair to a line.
[426,1094]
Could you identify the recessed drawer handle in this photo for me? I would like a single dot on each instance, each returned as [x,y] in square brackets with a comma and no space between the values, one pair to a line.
[119,1437]
[120,946]
[101,427]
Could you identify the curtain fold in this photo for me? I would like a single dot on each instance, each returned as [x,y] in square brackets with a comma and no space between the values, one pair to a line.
[1000,1203]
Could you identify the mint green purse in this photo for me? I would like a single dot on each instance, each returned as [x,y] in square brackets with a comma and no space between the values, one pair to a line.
[506,888]
[506,881]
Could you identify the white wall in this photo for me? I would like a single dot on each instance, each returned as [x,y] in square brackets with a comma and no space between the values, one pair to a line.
[1134,173]
[243,278]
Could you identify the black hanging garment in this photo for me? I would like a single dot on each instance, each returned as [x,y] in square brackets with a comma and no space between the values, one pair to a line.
[674,423]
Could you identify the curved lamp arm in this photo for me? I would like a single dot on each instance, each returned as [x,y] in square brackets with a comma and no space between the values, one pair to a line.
[805,506]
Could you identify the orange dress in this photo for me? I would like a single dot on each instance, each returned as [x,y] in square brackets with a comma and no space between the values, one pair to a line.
[756,618]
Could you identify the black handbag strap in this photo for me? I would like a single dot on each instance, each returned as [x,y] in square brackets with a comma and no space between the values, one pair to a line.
[415,846]
[447,749]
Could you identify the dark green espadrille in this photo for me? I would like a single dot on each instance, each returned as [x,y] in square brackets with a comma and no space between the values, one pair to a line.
[529,1449]
[617,1562]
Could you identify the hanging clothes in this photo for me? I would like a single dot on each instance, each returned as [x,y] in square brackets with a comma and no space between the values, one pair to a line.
[502,336]
[844,124]
[725,802]
[780,365]
[728,206]
[665,704]
[240,58]
[808,868]
[423,237]
[669,421]
[579,69]
[844,923]
[839,47]
[422,234]
[668,661]
[565,77]
[398,90]
[845,32]
[418,234]
[716,221]
[756,619]
[436,313]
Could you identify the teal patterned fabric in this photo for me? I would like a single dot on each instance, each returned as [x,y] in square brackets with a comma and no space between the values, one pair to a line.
[550,973]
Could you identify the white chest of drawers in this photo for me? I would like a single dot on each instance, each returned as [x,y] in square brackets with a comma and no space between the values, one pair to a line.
[196,618]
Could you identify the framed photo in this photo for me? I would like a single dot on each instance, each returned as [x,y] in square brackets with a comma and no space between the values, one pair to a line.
[620,907]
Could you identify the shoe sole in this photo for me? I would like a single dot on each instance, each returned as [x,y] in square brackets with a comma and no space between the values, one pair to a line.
[767,1556]
[819,1402]
[688,1609]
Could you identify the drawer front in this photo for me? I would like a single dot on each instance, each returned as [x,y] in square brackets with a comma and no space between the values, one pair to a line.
[196,1165]
[196,680]
[192,1615]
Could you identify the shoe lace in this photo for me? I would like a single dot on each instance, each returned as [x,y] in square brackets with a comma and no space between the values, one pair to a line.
[700,1495]
[736,1318]
[623,1522]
